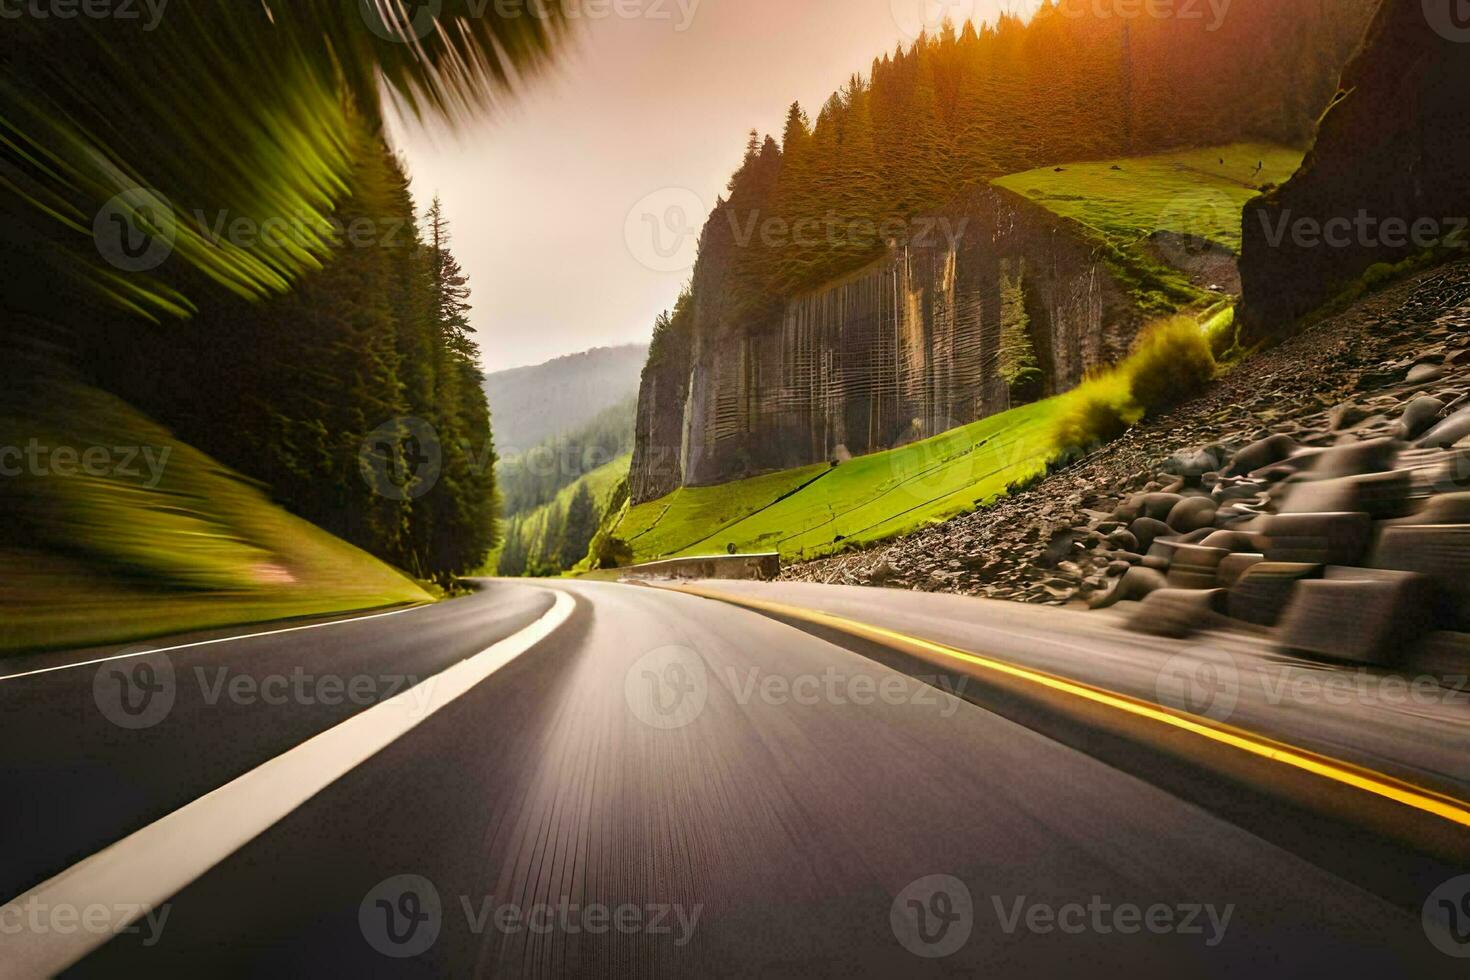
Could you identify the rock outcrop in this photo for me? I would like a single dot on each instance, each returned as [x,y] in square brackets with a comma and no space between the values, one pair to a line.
[1388,177]
[902,350]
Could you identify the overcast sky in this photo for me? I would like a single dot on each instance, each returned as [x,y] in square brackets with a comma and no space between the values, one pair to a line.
[575,213]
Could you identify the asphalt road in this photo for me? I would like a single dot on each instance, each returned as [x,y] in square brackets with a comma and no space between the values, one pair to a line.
[668,786]
[1410,727]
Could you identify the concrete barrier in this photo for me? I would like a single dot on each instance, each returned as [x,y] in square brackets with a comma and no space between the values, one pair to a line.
[761,568]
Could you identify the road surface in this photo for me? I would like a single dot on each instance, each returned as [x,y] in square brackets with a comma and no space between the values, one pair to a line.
[664,785]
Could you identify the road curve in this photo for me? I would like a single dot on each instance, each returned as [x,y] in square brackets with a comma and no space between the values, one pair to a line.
[672,786]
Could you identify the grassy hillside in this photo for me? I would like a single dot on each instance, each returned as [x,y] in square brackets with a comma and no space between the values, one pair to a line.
[1188,191]
[601,483]
[158,539]
[817,510]
[535,477]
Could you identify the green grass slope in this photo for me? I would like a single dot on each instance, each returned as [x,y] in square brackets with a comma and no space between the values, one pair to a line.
[131,549]
[601,483]
[818,510]
[1188,191]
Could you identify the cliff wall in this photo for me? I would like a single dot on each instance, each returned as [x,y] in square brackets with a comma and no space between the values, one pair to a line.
[1388,177]
[902,350]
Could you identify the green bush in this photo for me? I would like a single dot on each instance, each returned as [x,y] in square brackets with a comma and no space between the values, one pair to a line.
[1223,335]
[1097,411]
[1171,362]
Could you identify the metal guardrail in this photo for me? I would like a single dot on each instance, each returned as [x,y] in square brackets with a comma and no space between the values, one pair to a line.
[761,568]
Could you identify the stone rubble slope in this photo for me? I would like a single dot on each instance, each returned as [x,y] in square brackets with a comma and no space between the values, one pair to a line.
[1320,490]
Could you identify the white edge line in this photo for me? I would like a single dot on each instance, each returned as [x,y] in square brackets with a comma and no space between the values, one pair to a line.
[220,639]
[139,873]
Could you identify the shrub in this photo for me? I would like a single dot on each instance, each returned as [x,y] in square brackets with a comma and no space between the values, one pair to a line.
[1223,335]
[1171,362]
[1097,411]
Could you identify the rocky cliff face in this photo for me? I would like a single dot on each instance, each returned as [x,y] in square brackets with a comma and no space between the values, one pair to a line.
[907,348]
[1388,178]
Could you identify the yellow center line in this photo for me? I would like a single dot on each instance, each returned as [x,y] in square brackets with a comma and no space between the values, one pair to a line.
[1379,784]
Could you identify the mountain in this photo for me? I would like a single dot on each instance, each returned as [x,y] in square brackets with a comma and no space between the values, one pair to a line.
[1387,183]
[534,478]
[871,280]
[530,405]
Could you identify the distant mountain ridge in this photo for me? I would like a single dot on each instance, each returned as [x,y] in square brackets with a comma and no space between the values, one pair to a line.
[530,405]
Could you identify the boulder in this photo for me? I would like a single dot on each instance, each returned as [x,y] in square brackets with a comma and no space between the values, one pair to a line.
[1347,616]
[1446,508]
[1177,613]
[1192,514]
[1420,416]
[1264,590]
[1453,472]
[1146,530]
[1447,433]
[1136,583]
[1129,510]
[1158,505]
[1381,496]
[1232,541]
[1356,457]
[1234,566]
[1345,416]
[1423,374]
[1318,539]
[1317,497]
[1441,552]
[1192,465]
[1195,567]
[1265,452]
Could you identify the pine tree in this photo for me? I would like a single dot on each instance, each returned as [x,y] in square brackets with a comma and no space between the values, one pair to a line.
[452,299]
[546,558]
[513,555]
[1018,366]
[581,524]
